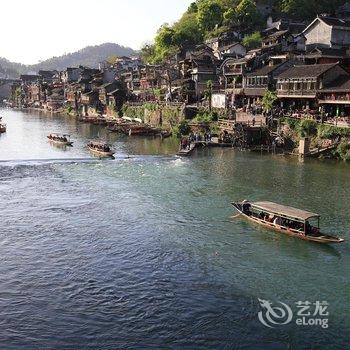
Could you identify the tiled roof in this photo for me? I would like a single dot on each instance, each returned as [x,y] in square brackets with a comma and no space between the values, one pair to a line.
[336,22]
[306,71]
[276,35]
[266,70]
[326,51]
[341,84]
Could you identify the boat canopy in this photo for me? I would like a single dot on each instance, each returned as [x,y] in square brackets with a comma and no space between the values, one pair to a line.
[285,211]
[99,143]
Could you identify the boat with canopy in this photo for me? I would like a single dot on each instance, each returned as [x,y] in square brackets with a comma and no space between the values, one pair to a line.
[284,219]
[59,139]
[100,149]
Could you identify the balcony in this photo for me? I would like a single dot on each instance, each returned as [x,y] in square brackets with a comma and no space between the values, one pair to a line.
[297,93]
[335,99]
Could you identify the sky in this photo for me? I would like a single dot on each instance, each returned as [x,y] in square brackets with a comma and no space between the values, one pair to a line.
[34,30]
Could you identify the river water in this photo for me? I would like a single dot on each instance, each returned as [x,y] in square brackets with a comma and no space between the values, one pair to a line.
[142,252]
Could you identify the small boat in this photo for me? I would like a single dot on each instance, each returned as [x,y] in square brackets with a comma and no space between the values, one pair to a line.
[139,130]
[288,220]
[100,149]
[58,139]
[2,128]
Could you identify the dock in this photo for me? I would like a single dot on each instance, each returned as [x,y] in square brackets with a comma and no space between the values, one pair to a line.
[185,152]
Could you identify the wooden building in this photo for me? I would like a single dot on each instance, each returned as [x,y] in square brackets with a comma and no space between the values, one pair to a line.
[299,85]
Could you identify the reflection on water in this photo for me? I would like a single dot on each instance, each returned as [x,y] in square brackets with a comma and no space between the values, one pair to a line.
[143,252]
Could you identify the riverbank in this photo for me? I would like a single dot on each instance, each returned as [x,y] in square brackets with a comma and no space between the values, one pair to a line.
[323,140]
[283,136]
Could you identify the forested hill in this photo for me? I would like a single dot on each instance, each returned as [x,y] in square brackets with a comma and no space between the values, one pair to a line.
[207,18]
[89,56]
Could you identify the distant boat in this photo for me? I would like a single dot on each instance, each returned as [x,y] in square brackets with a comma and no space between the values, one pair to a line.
[100,149]
[2,128]
[288,220]
[58,139]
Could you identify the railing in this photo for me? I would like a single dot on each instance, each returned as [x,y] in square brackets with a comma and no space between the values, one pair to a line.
[335,98]
[296,92]
[233,71]
[230,124]
[159,103]
[234,86]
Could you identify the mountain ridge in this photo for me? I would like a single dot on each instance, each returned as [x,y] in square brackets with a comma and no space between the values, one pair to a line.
[88,56]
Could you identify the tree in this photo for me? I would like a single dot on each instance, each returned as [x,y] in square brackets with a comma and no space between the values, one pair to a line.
[187,31]
[298,8]
[209,15]
[193,8]
[252,41]
[112,59]
[209,92]
[268,100]
[246,12]
[164,42]
[147,53]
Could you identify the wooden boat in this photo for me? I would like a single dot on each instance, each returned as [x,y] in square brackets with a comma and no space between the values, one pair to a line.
[100,149]
[122,126]
[288,220]
[139,130]
[2,128]
[58,139]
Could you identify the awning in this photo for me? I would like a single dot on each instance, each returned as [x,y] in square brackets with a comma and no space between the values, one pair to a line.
[284,211]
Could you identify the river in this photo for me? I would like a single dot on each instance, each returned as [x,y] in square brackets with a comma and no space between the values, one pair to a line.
[142,252]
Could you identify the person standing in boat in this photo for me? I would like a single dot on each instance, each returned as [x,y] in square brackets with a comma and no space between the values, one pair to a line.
[246,207]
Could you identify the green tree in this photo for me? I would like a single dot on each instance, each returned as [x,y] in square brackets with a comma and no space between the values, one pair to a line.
[193,8]
[252,41]
[164,43]
[268,100]
[209,15]
[187,31]
[112,59]
[209,92]
[246,12]
[147,53]
[298,8]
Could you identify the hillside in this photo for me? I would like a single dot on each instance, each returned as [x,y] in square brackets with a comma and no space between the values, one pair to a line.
[208,18]
[89,56]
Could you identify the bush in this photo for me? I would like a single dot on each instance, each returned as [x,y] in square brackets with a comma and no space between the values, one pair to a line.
[331,132]
[307,127]
[252,41]
[343,151]
[183,128]
[292,123]
[204,117]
